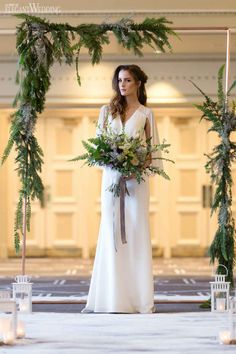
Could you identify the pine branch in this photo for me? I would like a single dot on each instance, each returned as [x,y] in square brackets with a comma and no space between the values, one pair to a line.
[218,166]
[221,96]
[39,45]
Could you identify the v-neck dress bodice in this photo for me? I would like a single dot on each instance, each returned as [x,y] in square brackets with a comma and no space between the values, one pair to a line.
[122,280]
[134,125]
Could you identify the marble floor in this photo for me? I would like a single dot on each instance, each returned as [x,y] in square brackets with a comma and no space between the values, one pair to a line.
[76,333]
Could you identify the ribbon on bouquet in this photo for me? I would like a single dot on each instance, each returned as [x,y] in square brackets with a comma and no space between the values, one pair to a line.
[123,191]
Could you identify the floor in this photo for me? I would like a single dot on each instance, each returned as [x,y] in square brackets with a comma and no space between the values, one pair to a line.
[50,331]
[83,267]
[108,333]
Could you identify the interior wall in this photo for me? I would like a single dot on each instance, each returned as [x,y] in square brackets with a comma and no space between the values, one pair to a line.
[196,58]
[168,84]
[4,117]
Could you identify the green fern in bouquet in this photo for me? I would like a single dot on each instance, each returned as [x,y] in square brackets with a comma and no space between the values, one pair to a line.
[125,154]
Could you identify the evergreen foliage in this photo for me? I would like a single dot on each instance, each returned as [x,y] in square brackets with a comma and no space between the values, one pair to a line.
[218,165]
[40,44]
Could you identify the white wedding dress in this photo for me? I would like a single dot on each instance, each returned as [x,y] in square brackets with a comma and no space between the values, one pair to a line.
[122,279]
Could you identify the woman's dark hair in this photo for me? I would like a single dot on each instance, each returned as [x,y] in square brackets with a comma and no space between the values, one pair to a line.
[118,102]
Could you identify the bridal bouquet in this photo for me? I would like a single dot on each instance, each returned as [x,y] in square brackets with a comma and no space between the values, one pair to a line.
[125,154]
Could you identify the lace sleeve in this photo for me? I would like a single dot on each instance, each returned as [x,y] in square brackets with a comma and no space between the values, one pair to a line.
[155,141]
[102,120]
[101,124]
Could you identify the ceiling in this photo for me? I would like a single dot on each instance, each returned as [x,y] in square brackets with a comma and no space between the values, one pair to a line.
[183,13]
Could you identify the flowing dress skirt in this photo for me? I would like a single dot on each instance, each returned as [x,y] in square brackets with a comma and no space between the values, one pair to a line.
[122,280]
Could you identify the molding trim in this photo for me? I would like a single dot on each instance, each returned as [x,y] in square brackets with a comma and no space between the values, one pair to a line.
[115,13]
[160,57]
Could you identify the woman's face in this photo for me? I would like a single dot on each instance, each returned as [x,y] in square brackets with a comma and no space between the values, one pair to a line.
[127,84]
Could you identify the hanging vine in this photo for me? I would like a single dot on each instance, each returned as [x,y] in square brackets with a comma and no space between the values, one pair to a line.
[219,163]
[40,44]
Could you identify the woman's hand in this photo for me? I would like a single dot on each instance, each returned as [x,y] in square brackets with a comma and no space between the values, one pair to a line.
[148,162]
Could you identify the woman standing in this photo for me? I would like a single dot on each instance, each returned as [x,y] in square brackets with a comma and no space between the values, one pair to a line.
[122,280]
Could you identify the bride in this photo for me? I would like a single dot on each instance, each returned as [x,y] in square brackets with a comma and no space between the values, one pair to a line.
[122,279]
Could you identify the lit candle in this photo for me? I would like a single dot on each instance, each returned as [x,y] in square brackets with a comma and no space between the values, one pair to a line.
[5,325]
[232,308]
[20,329]
[1,325]
[8,338]
[220,304]
[224,337]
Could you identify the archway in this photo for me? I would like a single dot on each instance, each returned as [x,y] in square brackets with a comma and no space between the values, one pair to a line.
[37,55]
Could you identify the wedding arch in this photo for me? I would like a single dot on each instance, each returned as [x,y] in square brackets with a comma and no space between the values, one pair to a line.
[39,45]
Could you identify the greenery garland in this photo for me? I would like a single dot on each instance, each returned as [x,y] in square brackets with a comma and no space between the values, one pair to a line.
[40,44]
[219,162]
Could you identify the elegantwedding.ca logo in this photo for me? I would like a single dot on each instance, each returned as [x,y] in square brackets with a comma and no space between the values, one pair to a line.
[31,7]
